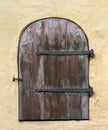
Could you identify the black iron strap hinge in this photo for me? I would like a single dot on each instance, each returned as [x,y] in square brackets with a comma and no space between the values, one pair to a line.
[67,90]
[90,53]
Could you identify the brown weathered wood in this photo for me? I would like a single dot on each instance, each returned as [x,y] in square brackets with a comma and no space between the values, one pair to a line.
[40,72]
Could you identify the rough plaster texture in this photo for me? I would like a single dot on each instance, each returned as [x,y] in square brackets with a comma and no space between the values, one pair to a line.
[92,16]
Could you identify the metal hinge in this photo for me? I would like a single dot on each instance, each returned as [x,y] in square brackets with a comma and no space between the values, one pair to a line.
[67,90]
[90,53]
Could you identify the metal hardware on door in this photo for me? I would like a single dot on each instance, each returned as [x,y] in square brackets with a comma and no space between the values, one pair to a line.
[67,90]
[18,79]
[90,53]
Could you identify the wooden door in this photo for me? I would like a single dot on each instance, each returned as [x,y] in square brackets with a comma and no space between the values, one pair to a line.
[59,73]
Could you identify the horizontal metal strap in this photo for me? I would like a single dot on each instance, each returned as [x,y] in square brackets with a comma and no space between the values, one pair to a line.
[65,52]
[67,90]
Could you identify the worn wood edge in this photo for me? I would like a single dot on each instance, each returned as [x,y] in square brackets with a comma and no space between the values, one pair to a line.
[22,120]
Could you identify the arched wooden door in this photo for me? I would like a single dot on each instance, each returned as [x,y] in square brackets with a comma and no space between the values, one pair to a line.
[53,63]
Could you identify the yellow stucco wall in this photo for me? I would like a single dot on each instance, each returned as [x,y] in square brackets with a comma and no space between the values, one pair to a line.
[92,16]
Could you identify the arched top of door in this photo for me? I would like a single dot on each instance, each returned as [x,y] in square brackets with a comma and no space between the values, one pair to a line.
[54,29]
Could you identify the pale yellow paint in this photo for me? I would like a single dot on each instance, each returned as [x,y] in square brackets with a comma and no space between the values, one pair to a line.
[92,16]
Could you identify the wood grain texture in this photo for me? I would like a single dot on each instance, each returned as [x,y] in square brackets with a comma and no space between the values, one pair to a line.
[40,72]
